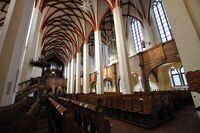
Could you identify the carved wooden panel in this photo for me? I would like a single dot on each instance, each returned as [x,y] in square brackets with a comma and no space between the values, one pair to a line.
[153,57]
[108,72]
[93,77]
[162,54]
[193,79]
[54,82]
[170,50]
[134,63]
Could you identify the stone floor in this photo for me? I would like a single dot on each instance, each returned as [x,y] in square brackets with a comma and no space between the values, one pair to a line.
[186,121]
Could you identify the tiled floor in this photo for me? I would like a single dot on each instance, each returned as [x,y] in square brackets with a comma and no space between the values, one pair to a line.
[186,121]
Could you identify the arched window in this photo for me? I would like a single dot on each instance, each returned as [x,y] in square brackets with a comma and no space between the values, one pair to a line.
[108,85]
[137,35]
[175,77]
[162,21]
[182,74]
[93,87]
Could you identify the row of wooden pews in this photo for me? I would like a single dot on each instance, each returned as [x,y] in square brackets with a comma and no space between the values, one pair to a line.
[88,116]
[8,115]
[145,109]
[138,109]
[19,117]
[30,117]
[63,118]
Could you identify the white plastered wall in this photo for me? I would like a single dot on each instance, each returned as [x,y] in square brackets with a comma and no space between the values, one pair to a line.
[186,37]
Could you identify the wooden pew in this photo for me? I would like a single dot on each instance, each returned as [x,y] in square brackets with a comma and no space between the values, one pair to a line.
[137,108]
[141,108]
[64,118]
[88,115]
[9,113]
[25,123]
[19,116]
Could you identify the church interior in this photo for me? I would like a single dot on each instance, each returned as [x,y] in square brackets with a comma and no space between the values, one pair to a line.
[99,66]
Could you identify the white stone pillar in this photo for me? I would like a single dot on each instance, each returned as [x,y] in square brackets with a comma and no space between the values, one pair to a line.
[65,71]
[72,76]
[31,42]
[68,77]
[186,38]
[98,62]
[12,43]
[85,68]
[125,73]
[78,70]
[37,71]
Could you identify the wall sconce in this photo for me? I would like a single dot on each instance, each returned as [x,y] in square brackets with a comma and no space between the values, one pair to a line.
[143,44]
[148,43]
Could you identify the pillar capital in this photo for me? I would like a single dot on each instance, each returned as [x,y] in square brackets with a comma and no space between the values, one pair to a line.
[112,4]
[85,40]
[78,51]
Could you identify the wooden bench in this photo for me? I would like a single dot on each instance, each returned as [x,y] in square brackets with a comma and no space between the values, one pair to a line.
[138,108]
[143,108]
[19,116]
[25,123]
[64,118]
[90,117]
[9,113]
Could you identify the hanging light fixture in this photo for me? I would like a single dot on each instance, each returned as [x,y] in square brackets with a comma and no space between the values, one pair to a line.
[86,5]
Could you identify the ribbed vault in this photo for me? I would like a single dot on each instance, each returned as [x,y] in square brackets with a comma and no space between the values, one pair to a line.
[4,4]
[67,24]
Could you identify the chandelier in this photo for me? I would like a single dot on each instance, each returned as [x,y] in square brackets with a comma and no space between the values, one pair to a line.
[85,5]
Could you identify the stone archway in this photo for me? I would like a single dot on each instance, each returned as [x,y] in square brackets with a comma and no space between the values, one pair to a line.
[60,90]
[108,85]
[93,87]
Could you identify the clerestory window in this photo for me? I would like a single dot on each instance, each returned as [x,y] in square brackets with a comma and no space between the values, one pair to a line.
[137,35]
[162,22]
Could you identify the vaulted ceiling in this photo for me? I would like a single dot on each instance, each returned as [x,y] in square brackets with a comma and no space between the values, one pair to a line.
[67,24]
[3,10]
